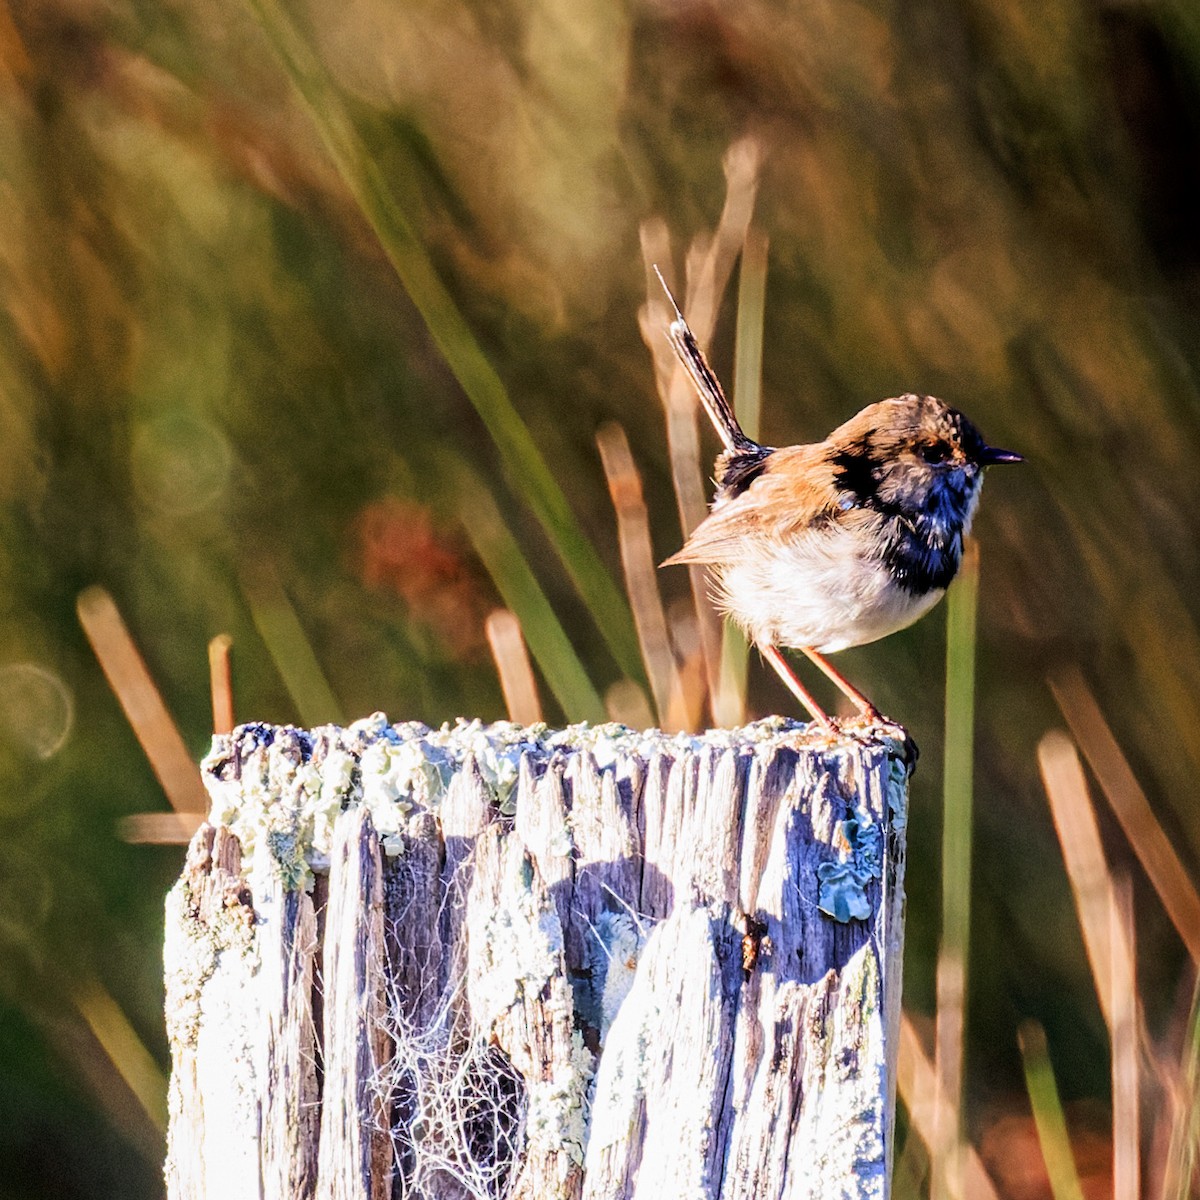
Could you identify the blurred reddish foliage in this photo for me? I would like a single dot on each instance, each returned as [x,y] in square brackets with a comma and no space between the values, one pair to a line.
[400,551]
[1012,1155]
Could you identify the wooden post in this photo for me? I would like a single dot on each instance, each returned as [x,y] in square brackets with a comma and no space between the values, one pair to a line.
[498,961]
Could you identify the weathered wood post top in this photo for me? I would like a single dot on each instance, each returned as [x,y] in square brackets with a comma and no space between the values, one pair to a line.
[507,961]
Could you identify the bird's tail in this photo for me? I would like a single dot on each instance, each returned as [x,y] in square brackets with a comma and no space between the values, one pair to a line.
[712,395]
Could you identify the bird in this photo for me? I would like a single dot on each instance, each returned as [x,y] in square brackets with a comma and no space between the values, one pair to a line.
[837,543]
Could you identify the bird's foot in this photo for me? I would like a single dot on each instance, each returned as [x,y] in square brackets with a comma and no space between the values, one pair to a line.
[868,729]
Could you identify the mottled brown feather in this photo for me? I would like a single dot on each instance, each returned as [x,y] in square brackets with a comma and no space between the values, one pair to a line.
[796,488]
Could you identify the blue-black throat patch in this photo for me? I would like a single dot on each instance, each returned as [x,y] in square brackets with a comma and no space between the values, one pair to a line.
[920,556]
[921,528]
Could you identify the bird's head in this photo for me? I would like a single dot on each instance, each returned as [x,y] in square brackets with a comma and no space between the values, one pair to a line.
[913,457]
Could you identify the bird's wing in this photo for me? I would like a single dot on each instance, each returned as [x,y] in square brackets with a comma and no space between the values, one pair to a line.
[712,541]
[794,490]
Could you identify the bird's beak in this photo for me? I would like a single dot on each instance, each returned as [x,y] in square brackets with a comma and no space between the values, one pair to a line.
[991,455]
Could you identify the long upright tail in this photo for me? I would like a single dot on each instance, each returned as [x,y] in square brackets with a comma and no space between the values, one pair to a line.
[712,395]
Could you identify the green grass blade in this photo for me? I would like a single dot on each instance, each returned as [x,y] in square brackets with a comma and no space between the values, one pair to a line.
[523,462]
[730,701]
[515,581]
[958,775]
[957,799]
[290,650]
[748,346]
[1048,1113]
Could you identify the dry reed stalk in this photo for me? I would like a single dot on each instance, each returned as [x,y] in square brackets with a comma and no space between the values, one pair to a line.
[221,682]
[1125,1080]
[710,261]
[748,340]
[947,1145]
[683,431]
[729,703]
[1130,806]
[511,657]
[1179,1124]
[626,703]
[1079,836]
[130,680]
[687,701]
[917,1083]
[709,265]
[637,559]
[159,829]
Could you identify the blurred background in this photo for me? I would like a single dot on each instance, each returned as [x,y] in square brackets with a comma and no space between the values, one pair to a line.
[310,315]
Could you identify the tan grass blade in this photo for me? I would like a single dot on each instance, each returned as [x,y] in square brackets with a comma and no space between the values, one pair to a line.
[637,559]
[683,430]
[687,701]
[626,704]
[1130,806]
[748,345]
[1126,1116]
[1079,837]
[911,1172]
[1178,1167]
[221,682]
[159,829]
[81,1051]
[709,266]
[917,1085]
[511,656]
[130,680]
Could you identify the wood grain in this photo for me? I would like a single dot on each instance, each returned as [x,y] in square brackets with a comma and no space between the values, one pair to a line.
[577,964]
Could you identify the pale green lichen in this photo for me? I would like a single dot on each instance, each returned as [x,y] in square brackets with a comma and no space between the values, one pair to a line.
[280,790]
[192,951]
[557,1115]
[516,946]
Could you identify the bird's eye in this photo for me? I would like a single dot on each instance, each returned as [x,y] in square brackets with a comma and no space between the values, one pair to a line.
[935,452]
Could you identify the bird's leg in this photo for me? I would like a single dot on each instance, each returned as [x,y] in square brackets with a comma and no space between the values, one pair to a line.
[772,655]
[866,709]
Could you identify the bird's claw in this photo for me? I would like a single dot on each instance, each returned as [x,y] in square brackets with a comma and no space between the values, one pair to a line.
[866,728]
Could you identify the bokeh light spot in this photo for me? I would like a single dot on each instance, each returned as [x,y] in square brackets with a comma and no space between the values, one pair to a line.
[180,463]
[36,708]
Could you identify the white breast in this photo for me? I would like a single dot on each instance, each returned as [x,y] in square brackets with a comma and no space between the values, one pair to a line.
[817,592]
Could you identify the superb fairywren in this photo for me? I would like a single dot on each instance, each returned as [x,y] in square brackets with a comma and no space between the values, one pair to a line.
[841,542]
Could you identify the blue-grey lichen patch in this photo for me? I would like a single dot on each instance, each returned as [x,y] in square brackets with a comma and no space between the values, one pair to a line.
[842,886]
[611,959]
[897,792]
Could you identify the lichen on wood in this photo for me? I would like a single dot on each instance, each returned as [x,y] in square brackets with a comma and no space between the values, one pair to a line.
[495,960]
